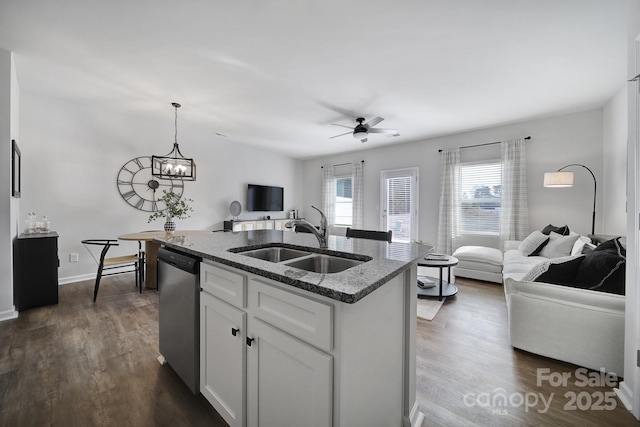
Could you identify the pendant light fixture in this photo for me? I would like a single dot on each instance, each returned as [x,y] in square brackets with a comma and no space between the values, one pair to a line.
[174,165]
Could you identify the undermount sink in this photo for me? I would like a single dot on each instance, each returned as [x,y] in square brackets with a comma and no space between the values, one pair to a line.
[303,259]
[320,263]
[275,254]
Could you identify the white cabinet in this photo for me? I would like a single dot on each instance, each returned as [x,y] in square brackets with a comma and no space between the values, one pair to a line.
[263,225]
[279,224]
[258,224]
[245,226]
[301,359]
[289,382]
[223,358]
[253,373]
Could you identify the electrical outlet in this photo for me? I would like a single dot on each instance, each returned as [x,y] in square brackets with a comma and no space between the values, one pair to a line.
[73,257]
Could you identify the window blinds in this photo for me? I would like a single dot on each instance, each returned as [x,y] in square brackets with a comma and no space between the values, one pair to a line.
[480,197]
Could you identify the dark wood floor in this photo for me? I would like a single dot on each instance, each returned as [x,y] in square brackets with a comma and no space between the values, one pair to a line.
[84,364]
[464,358]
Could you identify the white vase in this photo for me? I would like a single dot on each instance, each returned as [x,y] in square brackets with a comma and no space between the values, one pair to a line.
[169,225]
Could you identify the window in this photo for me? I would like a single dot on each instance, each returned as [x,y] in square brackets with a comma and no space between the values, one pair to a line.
[480,197]
[344,201]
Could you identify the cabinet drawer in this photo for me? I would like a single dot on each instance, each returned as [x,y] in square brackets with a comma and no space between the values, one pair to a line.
[307,319]
[224,284]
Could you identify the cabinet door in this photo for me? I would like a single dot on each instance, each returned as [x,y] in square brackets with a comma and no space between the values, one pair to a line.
[223,358]
[35,287]
[290,383]
[249,225]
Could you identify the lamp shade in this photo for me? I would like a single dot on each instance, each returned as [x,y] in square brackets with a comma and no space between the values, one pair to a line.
[558,179]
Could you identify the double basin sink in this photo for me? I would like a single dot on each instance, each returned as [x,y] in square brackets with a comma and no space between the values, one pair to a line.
[305,259]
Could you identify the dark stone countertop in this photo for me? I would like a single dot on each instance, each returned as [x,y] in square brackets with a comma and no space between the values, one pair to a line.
[349,286]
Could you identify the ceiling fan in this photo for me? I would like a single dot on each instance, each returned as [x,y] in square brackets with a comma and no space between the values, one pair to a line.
[362,130]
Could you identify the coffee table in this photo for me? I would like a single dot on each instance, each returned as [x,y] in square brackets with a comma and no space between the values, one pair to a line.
[443,288]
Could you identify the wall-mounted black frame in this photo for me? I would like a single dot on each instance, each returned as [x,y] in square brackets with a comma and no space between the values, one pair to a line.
[16,168]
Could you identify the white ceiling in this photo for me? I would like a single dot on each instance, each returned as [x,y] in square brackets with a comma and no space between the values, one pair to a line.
[277,73]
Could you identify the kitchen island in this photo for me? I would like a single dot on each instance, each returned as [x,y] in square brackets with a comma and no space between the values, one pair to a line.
[285,346]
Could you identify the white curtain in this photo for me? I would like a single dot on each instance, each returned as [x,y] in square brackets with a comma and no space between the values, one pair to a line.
[329,196]
[449,220]
[514,214]
[357,195]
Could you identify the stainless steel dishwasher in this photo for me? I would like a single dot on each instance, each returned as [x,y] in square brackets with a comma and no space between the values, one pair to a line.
[179,314]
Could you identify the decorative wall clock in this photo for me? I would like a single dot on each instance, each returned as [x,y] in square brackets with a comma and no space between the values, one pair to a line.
[141,189]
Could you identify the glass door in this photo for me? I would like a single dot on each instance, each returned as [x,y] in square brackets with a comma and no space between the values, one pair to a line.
[399,202]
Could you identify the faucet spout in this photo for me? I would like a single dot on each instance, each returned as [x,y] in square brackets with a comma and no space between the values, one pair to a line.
[321,234]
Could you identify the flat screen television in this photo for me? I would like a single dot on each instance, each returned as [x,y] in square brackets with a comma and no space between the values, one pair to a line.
[264,198]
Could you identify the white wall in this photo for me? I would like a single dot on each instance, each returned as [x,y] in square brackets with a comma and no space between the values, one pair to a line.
[72,154]
[9,103]
[556,142]
[614,155]
[629,391]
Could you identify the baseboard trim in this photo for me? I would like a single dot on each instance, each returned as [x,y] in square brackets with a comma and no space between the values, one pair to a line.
[74,279]
[416,416]
[625,395]
[8,315]
[90,276]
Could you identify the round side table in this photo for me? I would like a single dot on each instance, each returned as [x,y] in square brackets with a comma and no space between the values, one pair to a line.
[443,288]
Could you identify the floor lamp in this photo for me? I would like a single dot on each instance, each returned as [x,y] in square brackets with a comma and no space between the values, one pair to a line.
[559,179]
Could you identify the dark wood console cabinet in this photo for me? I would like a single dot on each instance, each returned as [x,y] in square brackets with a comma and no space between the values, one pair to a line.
[35,270]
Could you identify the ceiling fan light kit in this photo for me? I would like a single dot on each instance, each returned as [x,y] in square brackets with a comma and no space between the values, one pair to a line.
[174,165]
[362,130]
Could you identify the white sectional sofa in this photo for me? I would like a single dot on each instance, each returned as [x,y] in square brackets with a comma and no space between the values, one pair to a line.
[580,326]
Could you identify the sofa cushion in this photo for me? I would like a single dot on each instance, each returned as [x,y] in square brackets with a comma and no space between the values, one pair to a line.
[588,248]
[533,243]
[480,266]
[516,264]
[564,230]
[479,254]
[603,268]
[558,245]
[560,271]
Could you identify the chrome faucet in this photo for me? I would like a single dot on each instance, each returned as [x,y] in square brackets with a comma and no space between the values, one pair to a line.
[321,234]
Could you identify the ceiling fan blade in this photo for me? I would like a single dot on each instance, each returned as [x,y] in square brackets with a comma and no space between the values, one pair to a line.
[344,126]
[364,140]
[385,131]
[342,134]
[371,123]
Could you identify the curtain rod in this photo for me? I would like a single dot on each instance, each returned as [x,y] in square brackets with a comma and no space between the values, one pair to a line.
[342,164]
[482,145]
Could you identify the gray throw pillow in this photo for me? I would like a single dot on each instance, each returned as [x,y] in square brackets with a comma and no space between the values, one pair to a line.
[558,245]
[532,243]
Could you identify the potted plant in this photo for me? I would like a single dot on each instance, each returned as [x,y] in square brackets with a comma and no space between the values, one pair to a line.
[177,207]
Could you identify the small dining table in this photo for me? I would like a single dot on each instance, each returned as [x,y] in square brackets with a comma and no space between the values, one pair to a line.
[151,250]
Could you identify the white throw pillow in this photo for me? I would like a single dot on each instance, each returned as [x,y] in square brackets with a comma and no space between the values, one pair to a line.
[532,243]
[558,245]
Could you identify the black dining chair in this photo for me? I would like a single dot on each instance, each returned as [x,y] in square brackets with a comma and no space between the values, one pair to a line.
[123,264]
[369,234]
